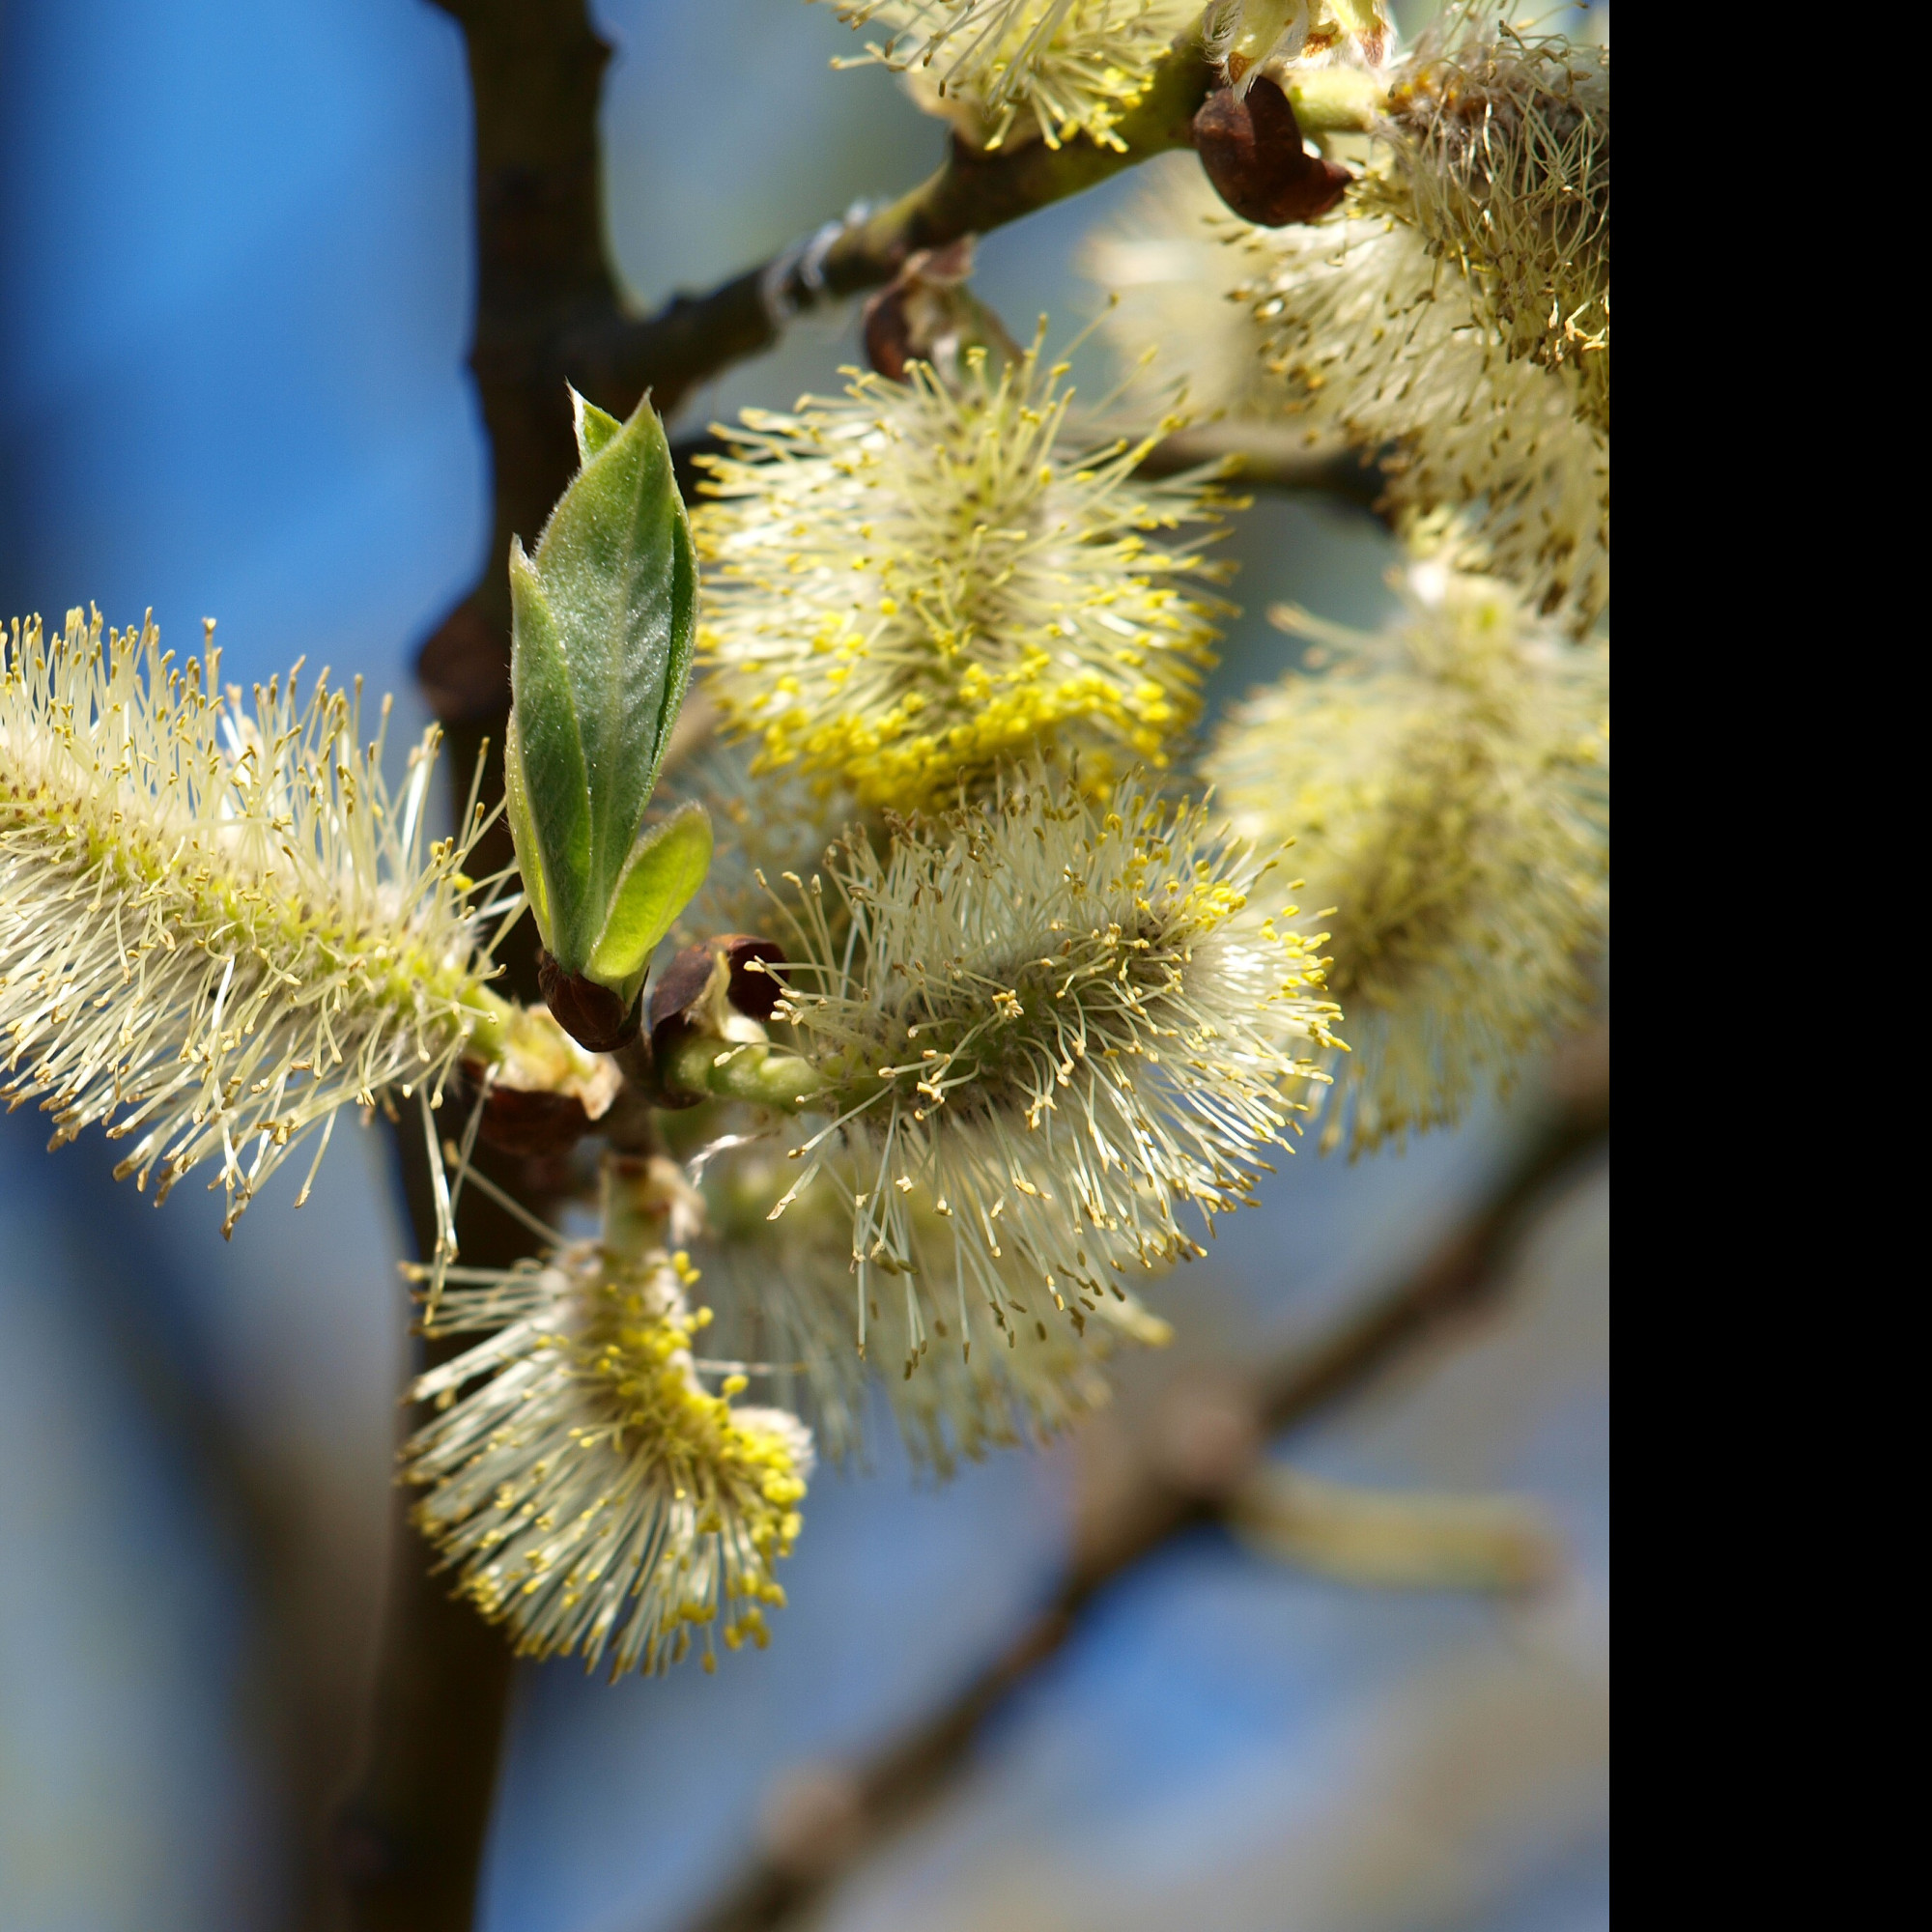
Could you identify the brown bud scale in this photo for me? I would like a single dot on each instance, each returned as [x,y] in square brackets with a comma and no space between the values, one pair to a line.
[520,1121]
[684,981]
[1251,151]
[592,1015]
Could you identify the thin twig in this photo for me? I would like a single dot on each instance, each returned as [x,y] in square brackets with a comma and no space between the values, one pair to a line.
[614,359]
[1267,456]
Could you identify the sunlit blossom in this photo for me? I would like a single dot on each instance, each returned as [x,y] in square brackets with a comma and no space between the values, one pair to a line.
[907,586]
[217,926]
[1447,787]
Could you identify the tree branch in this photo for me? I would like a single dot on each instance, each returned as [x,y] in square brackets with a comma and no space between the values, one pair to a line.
[410,1838]
[1267,456]
[615,359]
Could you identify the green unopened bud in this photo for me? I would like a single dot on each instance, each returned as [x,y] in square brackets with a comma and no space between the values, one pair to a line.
[603,621]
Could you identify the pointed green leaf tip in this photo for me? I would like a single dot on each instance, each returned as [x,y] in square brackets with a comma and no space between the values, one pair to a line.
[603,619]
[668,865]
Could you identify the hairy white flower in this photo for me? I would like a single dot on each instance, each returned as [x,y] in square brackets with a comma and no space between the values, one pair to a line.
[786,1290]
[1050,1027]
[215,924]
[1457,307]
[1245,36]
[1447,788]
[1382,344]
[911,584]
[1073,66]
[1183,310]
[1503,162]
[597,1497]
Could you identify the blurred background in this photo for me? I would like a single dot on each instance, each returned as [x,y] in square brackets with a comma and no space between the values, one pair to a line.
[235,283]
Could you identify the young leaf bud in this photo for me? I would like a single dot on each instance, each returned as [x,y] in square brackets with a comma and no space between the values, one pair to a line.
[602,617]
[717,990]
[1250,145]
[927,314]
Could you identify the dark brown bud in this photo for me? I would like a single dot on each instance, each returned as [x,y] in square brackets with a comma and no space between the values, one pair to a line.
[751,989]
[1251,149]
[517,1120]
[927,314]
[684,983]
[592,1015]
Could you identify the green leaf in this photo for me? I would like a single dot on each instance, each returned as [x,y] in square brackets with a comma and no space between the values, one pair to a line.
[604,622]
[551,777]
[524,832]
[595,427]
[666,867]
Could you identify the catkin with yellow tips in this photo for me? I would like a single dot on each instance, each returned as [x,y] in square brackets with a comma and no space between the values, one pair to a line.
[596,1499]
[908,588]
[1022,69]
[1447,787]
[963,1374]
[1054,1034]
[217,925]
[1456,310]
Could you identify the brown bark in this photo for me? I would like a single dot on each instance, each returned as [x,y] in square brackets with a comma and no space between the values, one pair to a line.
[410,1839]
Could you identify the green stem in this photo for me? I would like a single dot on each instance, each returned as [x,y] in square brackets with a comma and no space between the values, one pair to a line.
[1335,100]
[762,1074]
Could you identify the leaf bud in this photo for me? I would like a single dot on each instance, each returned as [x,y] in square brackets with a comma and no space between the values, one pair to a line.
[1250,146]
[603,619]
[927,314]
[718,988]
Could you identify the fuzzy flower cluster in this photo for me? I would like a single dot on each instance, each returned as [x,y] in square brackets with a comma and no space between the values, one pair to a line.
[217,925]
[598,1499]
[1069,67]
[1380,345]
[1458,306]
[787,1289]
[908,588]
[1047,1028]
[1242,37]
[1502,148]
[1181,314]
[1447,787]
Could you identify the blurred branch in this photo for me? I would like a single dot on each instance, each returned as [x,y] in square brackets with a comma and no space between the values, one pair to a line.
[1270,456]
[1382,1539]
[1178,1493]
[614,359]
[410,1839]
